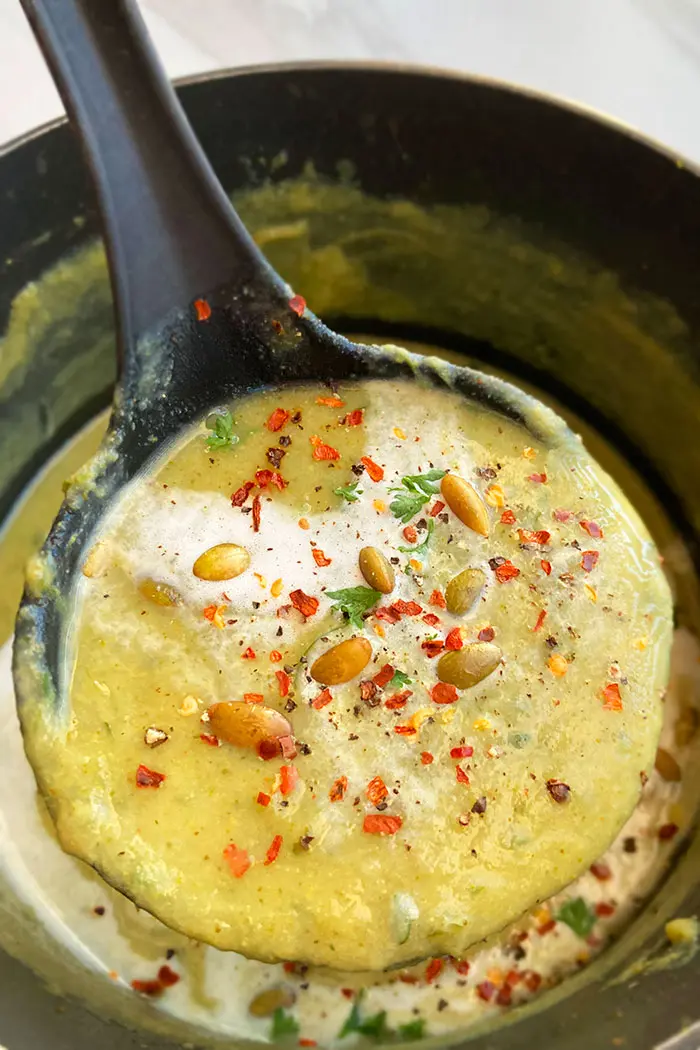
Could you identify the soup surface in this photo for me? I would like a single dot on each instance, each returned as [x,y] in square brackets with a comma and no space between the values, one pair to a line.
[332,703]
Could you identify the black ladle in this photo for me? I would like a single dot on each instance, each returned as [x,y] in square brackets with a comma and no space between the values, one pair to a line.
[172,237]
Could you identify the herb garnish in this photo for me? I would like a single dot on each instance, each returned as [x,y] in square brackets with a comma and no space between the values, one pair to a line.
[399,679]
[422,547]
[221,426]
[283,1024]
[412,1029]
[349,492]
[578,915]
[353,601]
[376,1027]
[417,490]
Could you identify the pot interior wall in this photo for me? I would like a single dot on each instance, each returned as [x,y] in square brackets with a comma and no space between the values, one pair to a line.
[423,208]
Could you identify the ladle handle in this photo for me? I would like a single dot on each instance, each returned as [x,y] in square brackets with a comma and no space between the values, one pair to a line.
[171,232]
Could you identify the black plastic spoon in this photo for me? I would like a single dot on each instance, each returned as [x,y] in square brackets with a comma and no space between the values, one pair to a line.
[172,238]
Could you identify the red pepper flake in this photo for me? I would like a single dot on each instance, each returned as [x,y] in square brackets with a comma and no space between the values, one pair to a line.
[338,789]
[256,514]
[541,537]
[237,859]
[486,634]
[375,472]
[289,778]
[462,966]
[384,676]
[668,831]
[298,304]
[283,681]
[275,656]
[532,980]
[405,730]
[378,824]
[263,799]
[486,990]
[202,309]
[589,560]
[426,758]
[562,515]
[398,700]
[253,698]
[209,738]
[410,534]
[559,791]
[507,518]
[539,479]
[611,697]
[384,613]
[209,612]
[436,508]
[322,700]
[454,639]
[592,528]
[376,791]
[546,927]
[505,995]
[433,970]
[601,871]
[308,1042]
[462,777]
[546,567]
[288,746]
[408,978]
[241,495]
[320,558]
[330,402]
[168,977]
[513,978]
[148,778]
[305,603]
[540,619]
[152,988]
[249,654]
[432,648]
[442,693]
[322,451]
[406,608]
[274,849]
[354,418]
[263,478]
[437,598]
[431,619]
[278,419]
[604,910]
[463,751]
[504,570]
[349,993]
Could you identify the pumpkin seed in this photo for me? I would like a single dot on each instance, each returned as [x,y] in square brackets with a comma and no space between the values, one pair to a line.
[97,561]
[222,562]
[466,667]
[343,662]
[265,1003]
[466,503]
[377,570]
[464,590]
[247,725]
[666,766]
[159,593]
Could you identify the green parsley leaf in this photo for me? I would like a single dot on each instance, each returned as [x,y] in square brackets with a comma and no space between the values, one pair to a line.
[349,492]
[375,1026]
[353,601]
[412,1030]
[283,1024]
[399,679]
[425,483]
[422,547]
[578,915]
[222,435]
[354,1019]
[406,505]
[417,490]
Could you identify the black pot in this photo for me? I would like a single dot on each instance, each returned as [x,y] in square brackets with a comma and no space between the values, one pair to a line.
[527,235]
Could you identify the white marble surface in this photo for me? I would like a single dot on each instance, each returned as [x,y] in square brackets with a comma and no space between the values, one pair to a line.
[638,60]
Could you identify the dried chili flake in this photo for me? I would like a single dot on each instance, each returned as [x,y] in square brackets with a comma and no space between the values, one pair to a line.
[432,648]
[443,693]
[601,871]
[241,495]
[462,966]
[540,619]
[593,529]
[589,560]
[410,534]
[558,665]
[433,970]
[278,419]
[273,850]
[305,603]
[436,508]
[307,1042]
[283,682]
[562,515]
[486,990]
[249,654]
[463,751]
[320,558]
[375,472]
[387,614]
[287,746]
[398,700]
[376,791]
[612,701]
[507,518]
[604,909]
[668,831]
[541,538]
[168,977]
[263,478]
[202,309]
[431,619]
[454,639]
[209,738]
[559,791]
[237,859]
[256,514]
[378,824]
[253,698]
[148,778]
[539,479]
[289,778]
[546,567]
[426,758]
[338,789]
[263,798]
[405,730]
[437,598]
[275,656]
[298,304]
[384,676]
[368,691]
[504,569]
[546,927]
[152,988]
[486,634]
[505,995]
[532,980]
[354,418]
[462,777]
[322,700]
[406,608]
[321,450]
[330,402]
